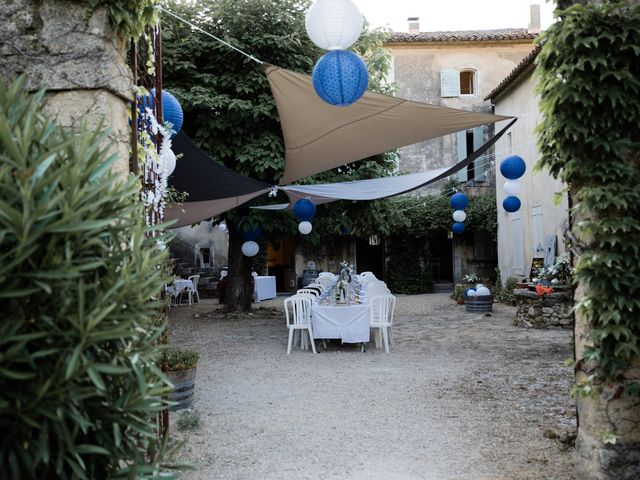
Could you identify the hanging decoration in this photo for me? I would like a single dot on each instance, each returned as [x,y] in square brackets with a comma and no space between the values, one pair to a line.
[305,227]
[171,109]
[512,187]
[340,77]
[459,216]
[304,210]
[250,248]
[512,168]
[334,24]
[511,204]
[459,202]
[248,231]
[457,227]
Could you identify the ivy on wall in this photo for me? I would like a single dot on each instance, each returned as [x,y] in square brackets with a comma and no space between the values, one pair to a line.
[129,18]
[589,71]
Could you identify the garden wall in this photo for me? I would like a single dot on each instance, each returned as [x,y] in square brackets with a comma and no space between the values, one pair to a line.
[80,63]
[548,311]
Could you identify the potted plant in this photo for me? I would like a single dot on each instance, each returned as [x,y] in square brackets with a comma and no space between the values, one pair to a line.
[180,367]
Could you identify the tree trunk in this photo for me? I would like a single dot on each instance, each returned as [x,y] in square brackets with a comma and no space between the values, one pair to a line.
[239,293]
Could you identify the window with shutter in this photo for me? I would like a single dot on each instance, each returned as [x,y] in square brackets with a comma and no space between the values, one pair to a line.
[449,83]
[479,164]
[462,153]
[517,244]
[467,82]
[537,230]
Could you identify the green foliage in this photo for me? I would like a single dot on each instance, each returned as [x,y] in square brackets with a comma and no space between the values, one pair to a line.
[129,18]
[176,360]
[188,420]
[408,268]
[78,278]
[505,294]
[589,71]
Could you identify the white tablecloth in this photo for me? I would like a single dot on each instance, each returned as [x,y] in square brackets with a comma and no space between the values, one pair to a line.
[181,285]
[265,287]
[348,322]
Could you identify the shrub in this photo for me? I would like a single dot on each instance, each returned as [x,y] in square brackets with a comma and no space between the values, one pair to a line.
[176,360]
[505,294]
[80,387]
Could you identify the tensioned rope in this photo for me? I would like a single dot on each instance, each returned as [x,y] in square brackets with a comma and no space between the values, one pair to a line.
[195,27]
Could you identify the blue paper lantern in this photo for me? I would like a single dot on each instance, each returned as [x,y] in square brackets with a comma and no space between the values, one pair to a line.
[171,108]
[344,230]
[304,210]
[457,227]
[340,77]
[458,201]
[511,204]
[248,231]
[172,111]
[513,167]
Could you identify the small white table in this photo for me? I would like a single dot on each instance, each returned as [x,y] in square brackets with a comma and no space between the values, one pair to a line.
[265,288]
[347,322]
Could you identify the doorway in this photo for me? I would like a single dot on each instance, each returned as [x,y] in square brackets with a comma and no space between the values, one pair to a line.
[441,257]
[370,256]
[281,264]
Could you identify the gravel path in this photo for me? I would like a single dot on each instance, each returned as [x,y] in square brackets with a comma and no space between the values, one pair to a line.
[461,397]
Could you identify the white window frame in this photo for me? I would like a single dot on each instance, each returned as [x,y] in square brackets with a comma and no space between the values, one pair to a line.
[475,82]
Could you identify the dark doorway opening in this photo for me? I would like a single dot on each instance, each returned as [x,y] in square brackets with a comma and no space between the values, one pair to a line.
[370,255]
[441,257]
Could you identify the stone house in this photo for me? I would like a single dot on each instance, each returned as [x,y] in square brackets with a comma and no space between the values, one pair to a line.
[543,217]
[457,69]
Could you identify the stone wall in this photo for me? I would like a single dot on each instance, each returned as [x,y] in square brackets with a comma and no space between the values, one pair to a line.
[80,63]
[548,311]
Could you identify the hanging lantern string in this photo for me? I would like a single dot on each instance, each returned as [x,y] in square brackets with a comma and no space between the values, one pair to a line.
[195,27]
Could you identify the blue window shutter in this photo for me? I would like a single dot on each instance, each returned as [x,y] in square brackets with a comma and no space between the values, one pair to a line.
[462,153]
[480,163]
[449,83]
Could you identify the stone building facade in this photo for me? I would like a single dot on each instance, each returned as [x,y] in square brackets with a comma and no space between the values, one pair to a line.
[544,214]
[456,70]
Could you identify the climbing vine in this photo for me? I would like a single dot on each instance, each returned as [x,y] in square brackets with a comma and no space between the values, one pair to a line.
[589,72]
[129,18]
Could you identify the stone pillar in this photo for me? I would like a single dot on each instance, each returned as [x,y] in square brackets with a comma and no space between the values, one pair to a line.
[80,63]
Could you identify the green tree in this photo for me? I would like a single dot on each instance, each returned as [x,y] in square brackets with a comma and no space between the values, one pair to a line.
[230,112]
[79,280]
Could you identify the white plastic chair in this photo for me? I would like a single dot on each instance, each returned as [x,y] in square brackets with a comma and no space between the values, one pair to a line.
[367,274]
[191,291]
[310,291]
[382,307]
[327,274]
[297,311]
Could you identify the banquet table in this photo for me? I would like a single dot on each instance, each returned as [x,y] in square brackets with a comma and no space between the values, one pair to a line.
[265,287]
[182,284]
[347,322]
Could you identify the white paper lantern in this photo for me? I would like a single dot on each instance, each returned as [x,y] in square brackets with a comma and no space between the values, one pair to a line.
[223,227]
[482,292]
[479,286]
[305,227]
[512,188]
[459,216]
[168,161]
[334,24]
[471,293]
[250,248]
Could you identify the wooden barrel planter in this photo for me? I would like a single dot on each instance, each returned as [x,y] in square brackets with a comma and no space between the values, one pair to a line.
[481,304]
[184,382]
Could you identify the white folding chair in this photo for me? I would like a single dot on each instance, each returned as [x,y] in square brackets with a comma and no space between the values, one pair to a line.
[297,311]
[382,307]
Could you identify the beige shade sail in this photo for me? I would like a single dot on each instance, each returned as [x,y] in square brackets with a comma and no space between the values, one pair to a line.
[319,136]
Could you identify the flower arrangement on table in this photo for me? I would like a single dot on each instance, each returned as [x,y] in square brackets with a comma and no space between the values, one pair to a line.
[559,273]
[471,278]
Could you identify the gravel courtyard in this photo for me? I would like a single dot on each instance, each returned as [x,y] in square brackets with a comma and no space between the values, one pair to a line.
[462,397]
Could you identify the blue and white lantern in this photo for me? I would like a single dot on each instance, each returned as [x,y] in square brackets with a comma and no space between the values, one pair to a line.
[511,204]
[304,210]
[459,216]
[458,201]
[340,77]
[457,227]
[250,248]
[513,167]
[305,227]
[334,24]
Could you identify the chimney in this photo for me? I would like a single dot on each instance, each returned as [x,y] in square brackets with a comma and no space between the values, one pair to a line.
[414,24]
[534,18]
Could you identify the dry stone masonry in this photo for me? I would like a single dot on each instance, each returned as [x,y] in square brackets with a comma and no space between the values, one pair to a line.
[547,311]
